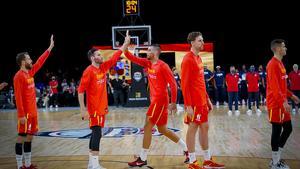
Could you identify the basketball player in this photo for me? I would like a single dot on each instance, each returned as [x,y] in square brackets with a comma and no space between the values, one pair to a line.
[159,76]
[277,103]
[196,101]
[26,104]
[3,85]
[93,82]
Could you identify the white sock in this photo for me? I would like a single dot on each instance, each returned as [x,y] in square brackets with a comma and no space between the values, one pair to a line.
[95,161]
[206,154]
[192,157]
[275,157]
[19,160]
[27,157]
[280,150]
[182,145]
[90,165]
[143,154]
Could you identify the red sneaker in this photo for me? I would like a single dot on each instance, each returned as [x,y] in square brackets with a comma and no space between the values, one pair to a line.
[32,167]
[137,163]
[210,164]
[187,159]
[195,165]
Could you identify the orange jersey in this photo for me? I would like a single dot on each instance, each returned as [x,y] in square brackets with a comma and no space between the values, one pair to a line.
[277,91]
[159,76]
[93,82]
[192,81]
[25,89]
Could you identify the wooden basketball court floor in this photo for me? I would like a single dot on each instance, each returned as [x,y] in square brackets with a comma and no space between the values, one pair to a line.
[240,142]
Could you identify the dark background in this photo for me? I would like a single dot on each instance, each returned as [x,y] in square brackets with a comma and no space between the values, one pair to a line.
[241,32]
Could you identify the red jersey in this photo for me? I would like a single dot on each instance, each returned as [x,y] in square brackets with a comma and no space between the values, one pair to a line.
[25,89]
[232,81]
[53,85]
[277,91]
[252,81]
[159,76]
[294,80]
[192,80]
[93,82]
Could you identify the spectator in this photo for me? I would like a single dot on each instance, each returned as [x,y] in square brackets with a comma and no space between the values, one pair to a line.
[252,79]
[2,85]
[179,92]
[53,92]
[232,80]
[262,84]
[117,90]
[219,84]
[294,78]
[243,93]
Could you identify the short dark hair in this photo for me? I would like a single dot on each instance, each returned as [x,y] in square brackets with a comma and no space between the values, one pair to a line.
[192,36]
[20,57]
[156,46]
[91,52]
[276,43]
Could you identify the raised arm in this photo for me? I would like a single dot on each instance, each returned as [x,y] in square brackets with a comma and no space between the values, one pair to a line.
[41,60]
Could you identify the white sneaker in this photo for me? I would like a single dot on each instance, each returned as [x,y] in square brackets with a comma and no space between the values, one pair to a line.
[99,167]
[229,113]
[243,102]
[249,112]
[237,113]
[225,104]
[217,104]
[280,165]
[258,112]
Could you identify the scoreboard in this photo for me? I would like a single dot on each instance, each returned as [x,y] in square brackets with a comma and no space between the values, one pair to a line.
[131,8]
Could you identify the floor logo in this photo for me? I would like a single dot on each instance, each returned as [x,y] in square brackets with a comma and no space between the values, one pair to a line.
[108,132]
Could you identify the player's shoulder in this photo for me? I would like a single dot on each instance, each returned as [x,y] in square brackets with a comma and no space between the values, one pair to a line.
[163,64]
[272,61]
[19,75]
[88,69]
[188,58]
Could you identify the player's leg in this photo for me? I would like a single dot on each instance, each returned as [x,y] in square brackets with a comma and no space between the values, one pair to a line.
[27,150]
[19,149]
[286,132]
[172,136]
[90,165]
[203,138]
[95,146]
[142,158]
[190,141]
[275,139]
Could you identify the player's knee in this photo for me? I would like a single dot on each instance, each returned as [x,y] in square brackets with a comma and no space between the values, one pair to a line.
[29,138]
[288,129]
[162,130]
[204,127]
[20,139]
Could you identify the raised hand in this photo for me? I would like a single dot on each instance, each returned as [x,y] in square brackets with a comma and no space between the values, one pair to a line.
[51,43]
